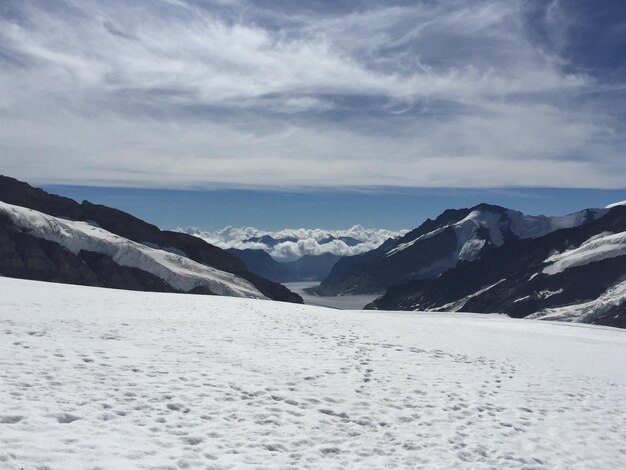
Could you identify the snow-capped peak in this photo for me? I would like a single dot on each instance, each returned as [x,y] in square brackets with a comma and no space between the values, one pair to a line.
[615,204]
[500,222]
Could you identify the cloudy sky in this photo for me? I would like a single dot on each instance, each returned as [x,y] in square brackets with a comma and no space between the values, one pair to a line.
[313,93]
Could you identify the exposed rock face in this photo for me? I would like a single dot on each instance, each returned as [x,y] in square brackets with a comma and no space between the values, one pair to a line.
[513,278]
[18,193]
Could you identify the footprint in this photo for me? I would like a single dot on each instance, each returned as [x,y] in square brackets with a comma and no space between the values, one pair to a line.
[178,407]
[193,441]
[10,419]
[66,418]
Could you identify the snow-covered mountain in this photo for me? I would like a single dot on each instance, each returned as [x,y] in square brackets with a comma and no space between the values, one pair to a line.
[439,245]
[102,378]
[48,237]
[175,269]
[575,274]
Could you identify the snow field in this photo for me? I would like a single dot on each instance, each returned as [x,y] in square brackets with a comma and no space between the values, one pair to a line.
[97,378]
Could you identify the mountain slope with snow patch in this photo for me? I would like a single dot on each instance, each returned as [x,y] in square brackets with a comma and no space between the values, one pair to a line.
[597,248]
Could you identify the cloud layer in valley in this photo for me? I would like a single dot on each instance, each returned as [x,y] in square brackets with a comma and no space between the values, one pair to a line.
[194,93]
[289,244]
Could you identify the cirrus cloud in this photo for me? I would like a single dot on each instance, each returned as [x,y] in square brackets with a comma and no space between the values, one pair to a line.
[182,93]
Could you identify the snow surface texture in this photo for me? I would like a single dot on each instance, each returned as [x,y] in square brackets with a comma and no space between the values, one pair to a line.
[178,271]
[97,378]
[602,246]
[301,241]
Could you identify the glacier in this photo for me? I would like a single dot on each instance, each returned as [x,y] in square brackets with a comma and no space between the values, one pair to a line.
[102,378]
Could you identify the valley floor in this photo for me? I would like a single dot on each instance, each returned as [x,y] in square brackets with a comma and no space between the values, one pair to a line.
[341,302]
[97,378]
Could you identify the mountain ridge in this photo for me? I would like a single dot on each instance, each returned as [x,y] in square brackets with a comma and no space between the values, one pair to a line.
[440,244]
[15,192]
[532,277]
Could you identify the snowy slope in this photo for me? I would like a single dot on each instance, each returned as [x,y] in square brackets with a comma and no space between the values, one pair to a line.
[603,246]
[96,378]
[535,226]
[178,271]
[587,312]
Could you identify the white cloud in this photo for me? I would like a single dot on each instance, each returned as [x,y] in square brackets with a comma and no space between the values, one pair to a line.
[301,241]
[178,93]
